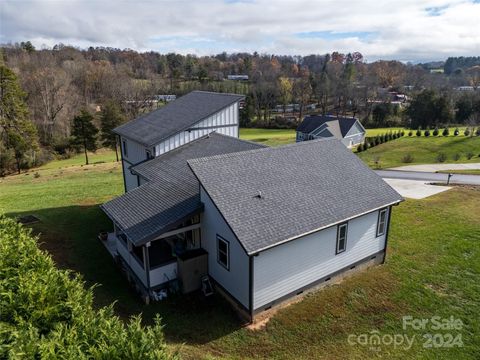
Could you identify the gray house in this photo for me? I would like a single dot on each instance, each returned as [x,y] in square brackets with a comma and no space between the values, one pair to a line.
[348,130]
[260,224]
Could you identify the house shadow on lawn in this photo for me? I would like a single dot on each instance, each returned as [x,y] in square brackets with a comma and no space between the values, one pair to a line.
[69,234]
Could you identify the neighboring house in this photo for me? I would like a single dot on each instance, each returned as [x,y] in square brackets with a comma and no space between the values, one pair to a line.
[179,122]
[264,224]
[237,77]
[348,130]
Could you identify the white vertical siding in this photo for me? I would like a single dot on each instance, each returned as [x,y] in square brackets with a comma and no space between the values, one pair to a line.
[235,280]
[286,268]
[135,152]
[163,274]
[131,181]
[224,122]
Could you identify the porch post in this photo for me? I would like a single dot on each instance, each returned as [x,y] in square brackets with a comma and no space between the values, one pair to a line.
[146,261]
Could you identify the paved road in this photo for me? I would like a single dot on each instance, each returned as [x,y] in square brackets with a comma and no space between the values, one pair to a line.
[431,177]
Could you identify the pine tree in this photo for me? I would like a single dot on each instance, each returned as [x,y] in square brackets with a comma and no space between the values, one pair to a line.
[110,118]
[84,133]
[17,132]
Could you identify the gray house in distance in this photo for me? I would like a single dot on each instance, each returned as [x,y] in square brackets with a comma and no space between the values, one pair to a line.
[239,215]
[348,130]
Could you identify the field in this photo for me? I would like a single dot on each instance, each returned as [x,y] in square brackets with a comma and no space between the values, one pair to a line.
[424,150]
[465,172]
[432,269]
[276,137]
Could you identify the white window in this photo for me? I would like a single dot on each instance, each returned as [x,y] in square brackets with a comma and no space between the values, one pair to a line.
[381,224]
[223,252]
[341,238]
[124,147]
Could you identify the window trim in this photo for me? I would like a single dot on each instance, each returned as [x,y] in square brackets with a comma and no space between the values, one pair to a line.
[384,210]
[226,266]
[337,251]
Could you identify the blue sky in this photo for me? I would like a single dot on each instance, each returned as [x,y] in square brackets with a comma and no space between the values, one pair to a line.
[410,30]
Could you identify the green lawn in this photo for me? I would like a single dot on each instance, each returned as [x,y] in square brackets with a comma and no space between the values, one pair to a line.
[270,137]
[424,150]
[276,137]
[465,172]
[432,269]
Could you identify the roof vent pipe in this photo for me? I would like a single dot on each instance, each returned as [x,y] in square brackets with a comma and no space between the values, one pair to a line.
[259,195]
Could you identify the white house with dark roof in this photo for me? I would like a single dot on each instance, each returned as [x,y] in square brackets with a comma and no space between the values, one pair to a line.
[179,122]
[264,224]
[346,129]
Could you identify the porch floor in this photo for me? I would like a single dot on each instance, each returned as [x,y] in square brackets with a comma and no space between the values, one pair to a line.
[111,244]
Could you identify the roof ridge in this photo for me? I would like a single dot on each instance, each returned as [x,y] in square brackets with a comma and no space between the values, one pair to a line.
[216,93]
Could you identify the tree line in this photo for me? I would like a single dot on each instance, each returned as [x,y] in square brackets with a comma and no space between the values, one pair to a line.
[58,87]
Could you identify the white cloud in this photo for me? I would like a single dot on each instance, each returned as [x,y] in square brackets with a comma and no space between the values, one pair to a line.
[407,30]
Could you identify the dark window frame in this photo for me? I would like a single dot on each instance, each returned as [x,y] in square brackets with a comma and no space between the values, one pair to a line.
[227,243]
[384,223]
[337,250]
[124,148]
[148,154]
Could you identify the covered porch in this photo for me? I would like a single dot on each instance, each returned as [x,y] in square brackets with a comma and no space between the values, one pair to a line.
[173,260]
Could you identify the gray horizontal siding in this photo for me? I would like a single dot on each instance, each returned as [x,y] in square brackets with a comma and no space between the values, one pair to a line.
[291,266]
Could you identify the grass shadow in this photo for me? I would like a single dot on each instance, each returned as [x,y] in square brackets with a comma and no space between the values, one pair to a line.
[69,234]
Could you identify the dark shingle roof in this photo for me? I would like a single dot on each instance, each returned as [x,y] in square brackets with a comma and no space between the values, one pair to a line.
[172,194]
[179,115]
[174,163]
[304,187]
[312,122]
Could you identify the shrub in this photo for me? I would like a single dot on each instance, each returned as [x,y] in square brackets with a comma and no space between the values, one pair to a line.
[48,312]
[477,132]
[445,132]
[419,132]
[466,132]
[435,132]
[456,132]
[456,157]
[36,175]
[469,155]
[360,148]
[427,133]
[384,138]
[402,133]
[441,157]
[410,133]
[407,158]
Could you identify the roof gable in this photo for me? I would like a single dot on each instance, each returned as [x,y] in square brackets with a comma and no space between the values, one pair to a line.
[176,116]
[304,187]
[338,126]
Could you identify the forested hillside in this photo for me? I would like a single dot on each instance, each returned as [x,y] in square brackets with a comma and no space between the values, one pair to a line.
[54,94]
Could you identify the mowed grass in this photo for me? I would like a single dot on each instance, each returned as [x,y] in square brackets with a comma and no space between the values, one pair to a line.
[424,150]
[465,172]
[432,269]
[270,137]
[277,137]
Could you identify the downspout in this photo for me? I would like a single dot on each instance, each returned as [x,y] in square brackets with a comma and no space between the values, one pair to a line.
[386,234]
[146,255]
[123,166]
[250,290]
